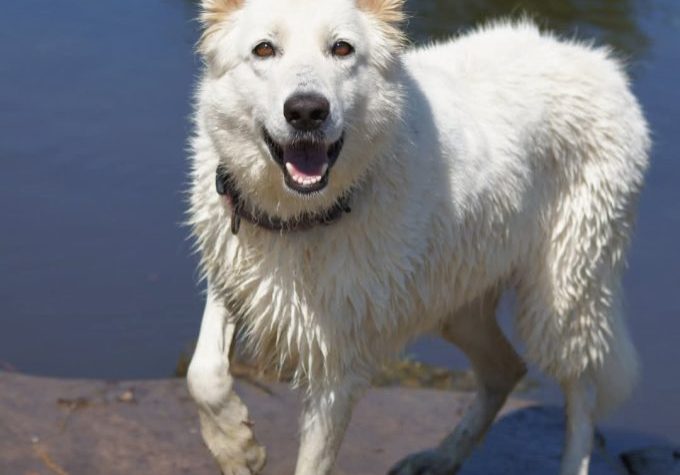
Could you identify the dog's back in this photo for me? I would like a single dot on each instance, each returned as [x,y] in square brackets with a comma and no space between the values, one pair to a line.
[554,150]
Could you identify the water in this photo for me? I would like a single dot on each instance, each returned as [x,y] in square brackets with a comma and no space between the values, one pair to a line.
[96,275]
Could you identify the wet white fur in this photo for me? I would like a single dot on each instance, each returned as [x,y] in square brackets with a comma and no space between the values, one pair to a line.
[504,159]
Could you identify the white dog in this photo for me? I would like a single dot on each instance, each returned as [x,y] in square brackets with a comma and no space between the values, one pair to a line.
[505,159]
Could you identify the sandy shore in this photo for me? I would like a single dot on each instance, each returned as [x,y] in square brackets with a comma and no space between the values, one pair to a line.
[90,427]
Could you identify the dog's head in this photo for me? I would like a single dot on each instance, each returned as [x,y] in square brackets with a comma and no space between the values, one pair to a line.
[297,94]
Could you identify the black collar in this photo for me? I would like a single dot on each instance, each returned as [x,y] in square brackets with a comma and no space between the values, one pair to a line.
[227,188]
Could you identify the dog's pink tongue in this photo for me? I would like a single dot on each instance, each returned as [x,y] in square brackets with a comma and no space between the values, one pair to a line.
[306,162]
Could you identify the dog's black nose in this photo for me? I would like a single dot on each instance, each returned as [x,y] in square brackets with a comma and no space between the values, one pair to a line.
[306,111]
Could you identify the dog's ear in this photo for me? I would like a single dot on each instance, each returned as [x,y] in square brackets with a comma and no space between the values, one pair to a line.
[389,11]
[213,14]
[214,11]
[390,14]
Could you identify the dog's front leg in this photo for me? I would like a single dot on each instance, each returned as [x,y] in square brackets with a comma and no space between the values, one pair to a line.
[325,416]
[224,420]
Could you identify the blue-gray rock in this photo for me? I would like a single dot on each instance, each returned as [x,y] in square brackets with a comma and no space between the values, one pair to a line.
[653,461]
[529,442]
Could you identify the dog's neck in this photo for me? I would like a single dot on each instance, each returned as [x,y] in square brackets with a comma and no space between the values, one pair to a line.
[241,211]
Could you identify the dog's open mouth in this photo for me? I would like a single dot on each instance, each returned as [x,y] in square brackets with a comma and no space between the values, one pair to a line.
[306,163]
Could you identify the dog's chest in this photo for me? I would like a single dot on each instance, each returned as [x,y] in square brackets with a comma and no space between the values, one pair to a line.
[308,297]
[338,279]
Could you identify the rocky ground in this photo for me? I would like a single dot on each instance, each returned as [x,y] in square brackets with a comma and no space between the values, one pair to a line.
[74,427]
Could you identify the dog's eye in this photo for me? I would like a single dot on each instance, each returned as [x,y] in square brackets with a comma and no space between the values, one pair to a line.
[264,50]
[342,49]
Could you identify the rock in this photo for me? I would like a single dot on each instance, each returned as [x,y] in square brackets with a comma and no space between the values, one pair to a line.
[653,461]
[529,442]
[77,427]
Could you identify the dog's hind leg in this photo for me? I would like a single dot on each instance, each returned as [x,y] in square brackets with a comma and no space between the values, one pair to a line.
[325,416]
[497,367]
[580,404]
[586,348]
[224,420]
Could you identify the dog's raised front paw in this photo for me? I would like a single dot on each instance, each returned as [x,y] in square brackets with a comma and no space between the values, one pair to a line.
[256,457]
[429,462]
[249,458]
[249,461]
[231,440]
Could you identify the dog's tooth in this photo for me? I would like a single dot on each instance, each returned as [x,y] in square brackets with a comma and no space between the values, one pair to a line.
[304,180]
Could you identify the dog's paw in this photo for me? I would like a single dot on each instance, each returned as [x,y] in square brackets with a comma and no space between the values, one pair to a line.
[233,443]
[429,462]
[246,458]
[256,457]
[249,461]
